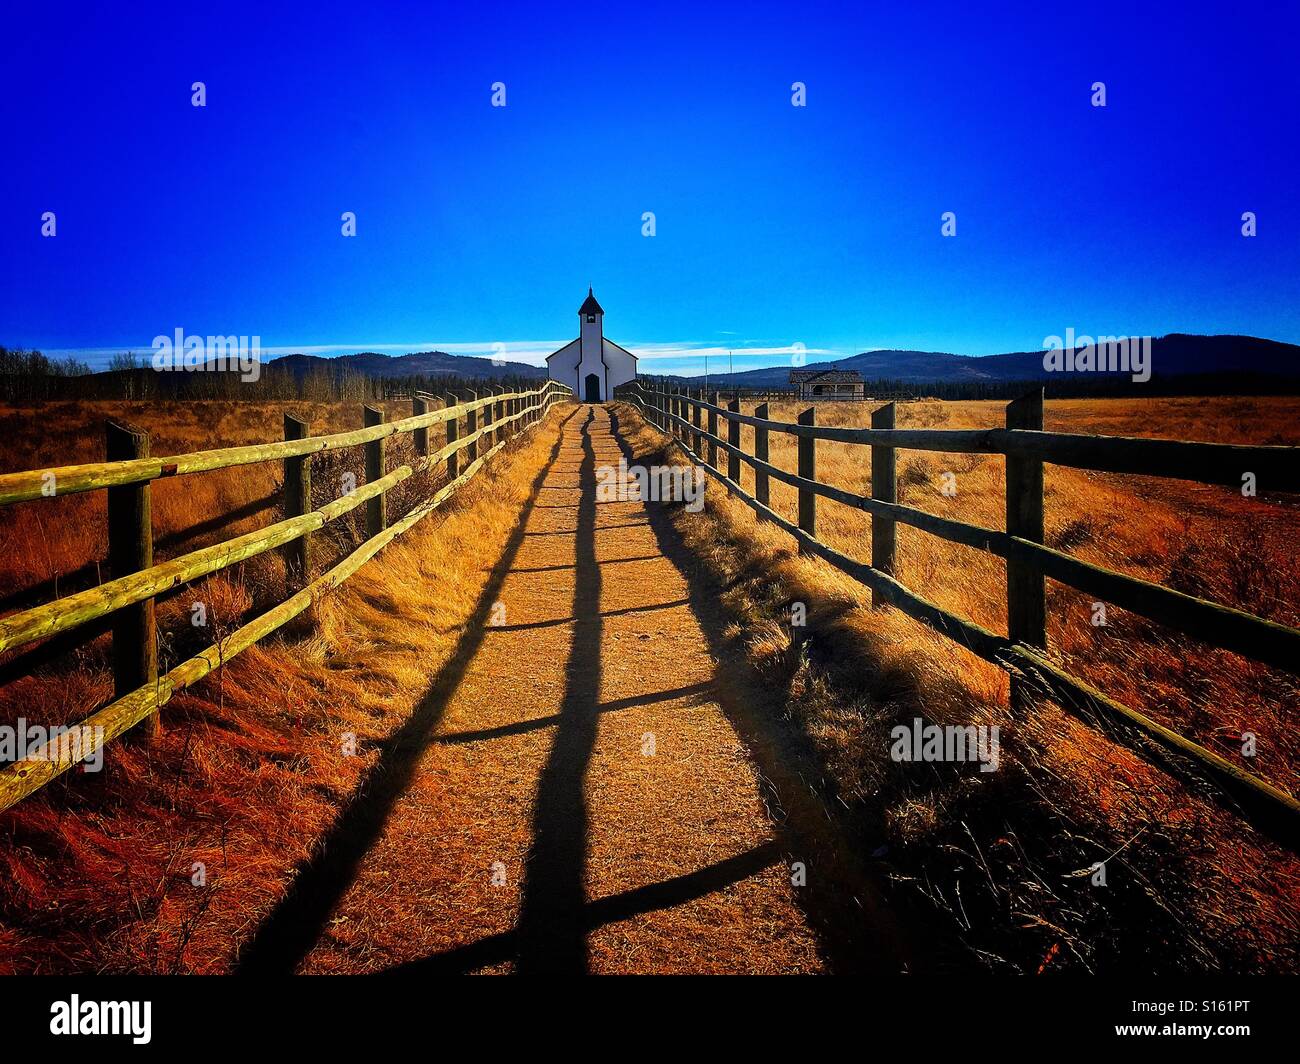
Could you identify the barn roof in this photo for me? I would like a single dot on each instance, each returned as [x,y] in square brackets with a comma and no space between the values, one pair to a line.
[826,376]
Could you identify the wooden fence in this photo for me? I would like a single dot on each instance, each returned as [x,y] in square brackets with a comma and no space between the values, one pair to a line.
[490,418]
[1023,650]
[790,395]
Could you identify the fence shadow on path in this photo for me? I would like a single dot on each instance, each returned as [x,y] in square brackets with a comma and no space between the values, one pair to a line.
[288,934]
[551,932]
[860,930]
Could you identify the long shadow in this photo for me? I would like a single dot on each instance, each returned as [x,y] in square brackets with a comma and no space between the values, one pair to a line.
[294,926]
[858,926]
[570,532]
[523,727]
[556,622]
[496,949]
[551,932]
[607,561]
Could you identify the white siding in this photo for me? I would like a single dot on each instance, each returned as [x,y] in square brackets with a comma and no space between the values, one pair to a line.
[620,366]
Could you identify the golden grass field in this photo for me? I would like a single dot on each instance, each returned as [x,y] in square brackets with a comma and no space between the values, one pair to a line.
[1220,894]
[95,871]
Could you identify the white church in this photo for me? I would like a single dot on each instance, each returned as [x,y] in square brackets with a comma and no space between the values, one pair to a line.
[592,365]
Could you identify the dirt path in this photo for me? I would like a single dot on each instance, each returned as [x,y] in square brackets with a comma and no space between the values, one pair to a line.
[585,805]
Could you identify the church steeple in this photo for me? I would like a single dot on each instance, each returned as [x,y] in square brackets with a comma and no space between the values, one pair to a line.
[590,308]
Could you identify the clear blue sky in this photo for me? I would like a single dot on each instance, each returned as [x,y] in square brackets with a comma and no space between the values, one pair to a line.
[775,224]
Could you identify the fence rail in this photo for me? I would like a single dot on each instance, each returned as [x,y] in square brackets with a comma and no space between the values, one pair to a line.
[1023,651]
[139,692]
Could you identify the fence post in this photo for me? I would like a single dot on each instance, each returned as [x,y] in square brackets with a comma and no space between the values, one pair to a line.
[807,470]
[297,501]
[471,427]
[489,418]
[420,437]
[760,452]
[453,434]
[376,508]
[130,549]
[713,430]
[733,438]
[1026,601]
[884,487]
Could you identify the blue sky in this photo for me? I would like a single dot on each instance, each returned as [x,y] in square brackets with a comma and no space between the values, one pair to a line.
[775,225]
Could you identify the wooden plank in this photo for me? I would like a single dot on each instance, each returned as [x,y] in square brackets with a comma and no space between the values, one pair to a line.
[1275,468]
[70,480]
[884,488]
[130,550]
[976,536]
[807,467]
[1026,588]
[760,454]
[1222,626]
[297,501]
[1267,807]
[376,508]
[53,618]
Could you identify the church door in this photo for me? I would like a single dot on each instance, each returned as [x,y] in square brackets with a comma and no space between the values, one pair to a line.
[592,389]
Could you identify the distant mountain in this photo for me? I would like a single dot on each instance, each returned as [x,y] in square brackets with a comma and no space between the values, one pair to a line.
[419,364]
[1177,354]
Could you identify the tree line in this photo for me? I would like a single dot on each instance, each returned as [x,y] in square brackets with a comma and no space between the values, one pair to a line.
[29,376]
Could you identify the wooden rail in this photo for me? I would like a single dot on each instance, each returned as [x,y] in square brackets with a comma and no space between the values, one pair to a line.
[1023,651]
[139,691]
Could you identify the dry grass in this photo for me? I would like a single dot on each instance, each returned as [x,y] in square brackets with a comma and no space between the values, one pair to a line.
[96,870]
[1190,887]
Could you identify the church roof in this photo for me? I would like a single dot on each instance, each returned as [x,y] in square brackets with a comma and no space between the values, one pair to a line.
[590,306]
